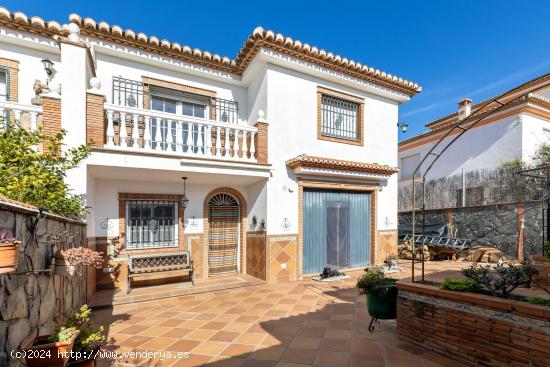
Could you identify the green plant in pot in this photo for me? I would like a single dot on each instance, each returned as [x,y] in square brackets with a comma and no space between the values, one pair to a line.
[89,341]
[381,293]
[51,350]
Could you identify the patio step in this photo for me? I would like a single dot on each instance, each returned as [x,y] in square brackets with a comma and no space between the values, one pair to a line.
[110,297]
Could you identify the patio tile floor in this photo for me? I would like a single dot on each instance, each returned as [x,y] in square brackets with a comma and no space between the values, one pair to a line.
[296,324]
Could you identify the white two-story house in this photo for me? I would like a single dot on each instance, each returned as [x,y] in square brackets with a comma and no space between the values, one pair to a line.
[289,151]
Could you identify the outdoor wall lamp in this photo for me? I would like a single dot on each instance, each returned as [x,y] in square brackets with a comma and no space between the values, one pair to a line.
[48,66]
[404,127]
[184,199]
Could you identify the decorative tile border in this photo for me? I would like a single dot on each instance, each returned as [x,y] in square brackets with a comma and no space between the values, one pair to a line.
[503,316]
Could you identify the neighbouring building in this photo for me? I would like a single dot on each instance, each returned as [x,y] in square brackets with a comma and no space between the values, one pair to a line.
[290,152]
[513,133]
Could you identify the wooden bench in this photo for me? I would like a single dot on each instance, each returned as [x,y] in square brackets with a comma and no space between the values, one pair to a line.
[175,263]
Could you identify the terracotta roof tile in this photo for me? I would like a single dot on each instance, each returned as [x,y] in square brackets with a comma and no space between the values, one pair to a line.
[259,39]
[338,164]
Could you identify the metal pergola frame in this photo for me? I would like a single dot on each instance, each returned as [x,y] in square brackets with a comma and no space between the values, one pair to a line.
[462,126]
[545,200]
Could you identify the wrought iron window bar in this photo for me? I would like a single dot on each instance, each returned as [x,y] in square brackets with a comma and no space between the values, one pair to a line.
[130,93]
[339,118]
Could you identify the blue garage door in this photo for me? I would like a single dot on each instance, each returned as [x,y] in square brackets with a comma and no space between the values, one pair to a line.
[336,230]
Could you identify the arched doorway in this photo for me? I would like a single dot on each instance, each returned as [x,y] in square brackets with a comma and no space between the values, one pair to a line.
[223,234]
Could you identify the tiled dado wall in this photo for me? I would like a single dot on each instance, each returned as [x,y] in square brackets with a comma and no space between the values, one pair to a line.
[282,258]
[387,245]
[256,254]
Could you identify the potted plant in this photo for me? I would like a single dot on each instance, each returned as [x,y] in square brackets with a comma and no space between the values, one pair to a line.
[51,350]
[89,341]
[71,261]
[8,253]
[381,294]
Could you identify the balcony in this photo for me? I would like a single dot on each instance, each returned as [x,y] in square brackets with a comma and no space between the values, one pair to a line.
[26,115]
[155,132]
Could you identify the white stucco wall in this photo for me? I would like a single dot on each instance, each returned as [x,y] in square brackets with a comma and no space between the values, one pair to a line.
[481,147]
[535,132]
[292,118]
[30,65]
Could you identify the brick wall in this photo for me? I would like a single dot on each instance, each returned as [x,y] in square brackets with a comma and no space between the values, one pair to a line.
[95,119]
[51,116]
[13,69]
[476,330]
[262,142]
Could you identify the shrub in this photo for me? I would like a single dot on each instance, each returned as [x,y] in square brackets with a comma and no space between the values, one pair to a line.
[536,300]
[36,176]
[83,256]
[90,338]
[63,334]
[462,285]
[373,281]
[503,279]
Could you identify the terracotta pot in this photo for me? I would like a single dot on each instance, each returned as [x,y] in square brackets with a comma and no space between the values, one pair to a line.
[42,353]
[82,363]
[9,256]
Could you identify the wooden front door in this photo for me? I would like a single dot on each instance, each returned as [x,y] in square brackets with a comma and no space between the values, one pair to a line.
[223,235]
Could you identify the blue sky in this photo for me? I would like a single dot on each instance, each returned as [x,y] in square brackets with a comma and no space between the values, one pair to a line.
[454,49]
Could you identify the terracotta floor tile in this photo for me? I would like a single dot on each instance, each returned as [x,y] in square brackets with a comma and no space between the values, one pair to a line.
[331,359]
[183,345]
[155,331]
[439,359]
[284,330]
[192,324]
[194,360]
[225,336]
[302,356]
[200,334]
[335,345]
[340,324]
[206,316]
[259,363]
[311,332]
[224,361]
[238,350]
[214,325]
[367,360]
[255,328]
[315,323]
[251,338]
[210,348]
[237,326]
[158,343]
[133,329]
[305,343]
[287,364]
[136,341]
[269,354]
[337,334]
[177,333]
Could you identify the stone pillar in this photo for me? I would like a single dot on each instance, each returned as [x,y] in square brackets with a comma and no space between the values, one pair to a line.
[261,139]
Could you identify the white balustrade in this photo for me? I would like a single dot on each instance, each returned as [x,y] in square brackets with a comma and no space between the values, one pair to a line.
[167,133]
[20,113]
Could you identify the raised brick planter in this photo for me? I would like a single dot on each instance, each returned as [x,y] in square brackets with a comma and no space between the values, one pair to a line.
[474,329]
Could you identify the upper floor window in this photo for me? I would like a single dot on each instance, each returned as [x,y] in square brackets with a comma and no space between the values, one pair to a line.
[4,84]
[340,117]
[408,165]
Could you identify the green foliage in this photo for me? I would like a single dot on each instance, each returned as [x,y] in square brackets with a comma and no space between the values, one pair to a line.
[541,156]
[462,285]
[536,300]
[90,337]
[36,176]
[501,280]
[373,281]
[63,334]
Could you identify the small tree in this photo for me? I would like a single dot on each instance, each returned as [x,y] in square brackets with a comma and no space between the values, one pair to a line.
[37,176]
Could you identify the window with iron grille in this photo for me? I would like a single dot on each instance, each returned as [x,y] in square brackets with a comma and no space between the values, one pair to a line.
[4,84]
[151,223]
[339,118]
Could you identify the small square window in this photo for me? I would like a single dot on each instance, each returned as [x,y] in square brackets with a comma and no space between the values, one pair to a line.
[339,117]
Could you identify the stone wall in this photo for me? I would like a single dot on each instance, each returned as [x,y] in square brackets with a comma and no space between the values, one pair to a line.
[474,329]
[32,298]
[493,225]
